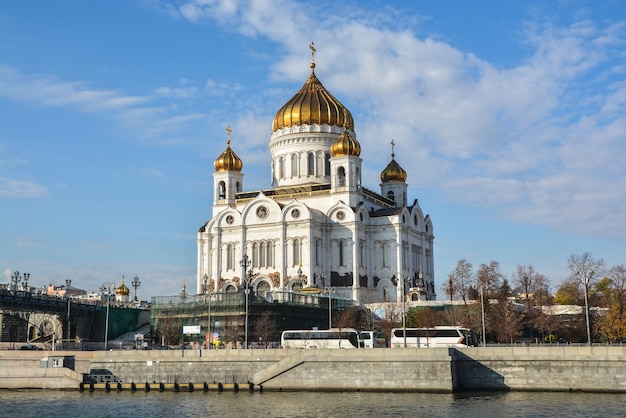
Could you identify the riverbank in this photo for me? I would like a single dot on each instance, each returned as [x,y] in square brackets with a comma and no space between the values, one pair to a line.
[563,368]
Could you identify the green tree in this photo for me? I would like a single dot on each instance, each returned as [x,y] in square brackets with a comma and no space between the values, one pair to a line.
[613,324]
[423,317]
[569,293]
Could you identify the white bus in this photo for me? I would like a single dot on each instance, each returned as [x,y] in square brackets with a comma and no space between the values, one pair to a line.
[330,338]
[444,336]
[367,339]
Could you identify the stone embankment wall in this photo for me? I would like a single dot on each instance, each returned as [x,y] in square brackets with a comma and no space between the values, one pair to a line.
[563,368]
[597,368]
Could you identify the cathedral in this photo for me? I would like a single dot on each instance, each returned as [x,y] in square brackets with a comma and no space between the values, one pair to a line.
[317,228]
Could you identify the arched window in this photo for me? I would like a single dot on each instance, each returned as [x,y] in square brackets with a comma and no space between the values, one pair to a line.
[230,257]
[391,196]
[342,261]
[327,164]
[238,187]
[317,252]
[262,255]
[221,191]
[263,288]
[358,178]
[294,165]
[281,167]
[311,164]
[361,252]
[341,177]
[270,254]
[405,254]
[255,255]
[385,254]
[296,252]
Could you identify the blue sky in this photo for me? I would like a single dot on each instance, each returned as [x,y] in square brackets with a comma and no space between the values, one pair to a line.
[509,117]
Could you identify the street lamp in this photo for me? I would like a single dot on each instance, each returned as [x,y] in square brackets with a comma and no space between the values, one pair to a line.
[330,290]
[26,277]
[106,287]
[245,263]
[207,293]
[68,283]
[403,310]
[17,277]
[135,283]
[482,308]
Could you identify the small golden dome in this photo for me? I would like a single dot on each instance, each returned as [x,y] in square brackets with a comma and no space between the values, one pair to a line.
[122,290]
[312,105]
[393,172]
[345,144]
[228,160]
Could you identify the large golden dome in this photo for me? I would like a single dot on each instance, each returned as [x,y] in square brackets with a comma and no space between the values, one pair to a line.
[345,144]
[393,172]
[312,105]
[228,160]
[123,290]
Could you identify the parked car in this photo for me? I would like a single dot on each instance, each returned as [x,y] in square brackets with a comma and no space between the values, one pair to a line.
[30,347]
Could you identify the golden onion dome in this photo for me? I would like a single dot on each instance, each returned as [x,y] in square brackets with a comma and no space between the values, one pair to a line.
[345,144]
[393,172]
[228,160]
[122,290]
[312,105]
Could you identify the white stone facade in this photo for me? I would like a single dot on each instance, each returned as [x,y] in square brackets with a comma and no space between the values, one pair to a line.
[317,226]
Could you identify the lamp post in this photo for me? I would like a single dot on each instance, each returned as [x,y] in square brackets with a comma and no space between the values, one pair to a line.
[403,310]
[482,308]
[26,277]
[106,287]
[17,277]
[135,283]
[245,263]
[68,283]
[330,290]
[207,294]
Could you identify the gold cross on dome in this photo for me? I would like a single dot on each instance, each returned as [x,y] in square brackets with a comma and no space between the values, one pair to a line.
[313,51]
[393,154]
[228,131]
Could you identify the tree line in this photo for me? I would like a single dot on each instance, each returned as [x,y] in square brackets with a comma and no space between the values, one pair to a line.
[603,289]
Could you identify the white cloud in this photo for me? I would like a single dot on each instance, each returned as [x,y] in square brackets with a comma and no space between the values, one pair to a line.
[21,188]
[48,91]
[539,142]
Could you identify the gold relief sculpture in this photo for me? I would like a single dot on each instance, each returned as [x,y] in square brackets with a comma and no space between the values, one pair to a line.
[275,278]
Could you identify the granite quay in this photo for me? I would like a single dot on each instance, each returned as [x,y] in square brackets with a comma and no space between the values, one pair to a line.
[549,368]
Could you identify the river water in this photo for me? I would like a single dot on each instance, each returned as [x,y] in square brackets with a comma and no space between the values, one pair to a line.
[38,403]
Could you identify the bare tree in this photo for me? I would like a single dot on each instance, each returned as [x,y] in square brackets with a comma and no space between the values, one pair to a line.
[460,279]
[169,331]
[530,283]
[386,324]
[460,282]
[346,319]
[509,325]
[587,269]
[265,328]
[488,277]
